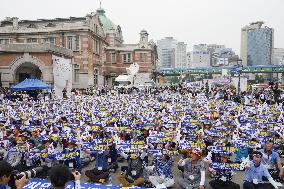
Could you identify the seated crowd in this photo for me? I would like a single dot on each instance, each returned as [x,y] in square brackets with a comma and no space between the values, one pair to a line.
[144,136]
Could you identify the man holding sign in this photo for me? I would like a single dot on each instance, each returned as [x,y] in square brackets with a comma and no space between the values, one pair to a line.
[223,177]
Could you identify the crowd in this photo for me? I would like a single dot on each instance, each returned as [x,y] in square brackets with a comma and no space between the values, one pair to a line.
[202,131]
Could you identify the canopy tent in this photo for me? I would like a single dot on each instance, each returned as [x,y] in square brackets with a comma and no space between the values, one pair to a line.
[123,78]
[30,85]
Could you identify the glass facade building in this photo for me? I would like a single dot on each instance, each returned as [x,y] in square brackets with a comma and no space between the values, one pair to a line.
[260,46]
[167,48]
[257,44]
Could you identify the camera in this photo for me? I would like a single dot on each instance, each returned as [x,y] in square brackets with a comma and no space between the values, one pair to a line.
[16,175]
[71,177]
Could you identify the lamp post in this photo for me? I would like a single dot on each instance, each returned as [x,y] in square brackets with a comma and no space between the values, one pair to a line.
[239,70]
[155,74]
[181,77]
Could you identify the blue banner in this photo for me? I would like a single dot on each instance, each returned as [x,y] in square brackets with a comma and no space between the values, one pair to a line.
[45,184]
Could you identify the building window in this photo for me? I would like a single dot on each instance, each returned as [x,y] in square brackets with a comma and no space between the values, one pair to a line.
[113,57]
[4,41]
[127,58]
[76,72]
[142,57]
[69,42]
[96,28]
[73,42]
[96,46]
[96,73]
[50,40]
[32,40]
[99,47]
[77,42]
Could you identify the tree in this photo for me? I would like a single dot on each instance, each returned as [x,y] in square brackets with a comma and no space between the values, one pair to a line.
[259,79]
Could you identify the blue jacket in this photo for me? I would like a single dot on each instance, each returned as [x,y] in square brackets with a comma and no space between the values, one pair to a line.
[101,160]
[4,186]
[76,160]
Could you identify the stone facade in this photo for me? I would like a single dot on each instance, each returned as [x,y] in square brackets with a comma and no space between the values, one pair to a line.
[87,41]
[17,59]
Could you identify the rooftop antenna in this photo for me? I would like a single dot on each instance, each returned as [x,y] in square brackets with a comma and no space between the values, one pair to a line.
[100,4]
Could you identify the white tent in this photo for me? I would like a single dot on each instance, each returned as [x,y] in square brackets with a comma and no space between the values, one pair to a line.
[123,78]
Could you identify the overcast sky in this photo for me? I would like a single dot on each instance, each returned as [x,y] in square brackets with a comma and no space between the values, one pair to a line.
[190,21]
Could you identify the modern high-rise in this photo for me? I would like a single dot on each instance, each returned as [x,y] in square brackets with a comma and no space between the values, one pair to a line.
[167,49]
[181,55]
[200,56]
[256,44]
[188,59]
[278,56]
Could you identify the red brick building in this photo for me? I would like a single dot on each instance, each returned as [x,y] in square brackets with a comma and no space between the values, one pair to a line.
[27,48]
[118,58]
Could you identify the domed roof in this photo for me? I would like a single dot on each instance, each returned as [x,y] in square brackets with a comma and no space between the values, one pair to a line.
[107,23]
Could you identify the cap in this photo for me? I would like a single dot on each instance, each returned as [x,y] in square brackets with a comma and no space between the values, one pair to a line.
[196,151]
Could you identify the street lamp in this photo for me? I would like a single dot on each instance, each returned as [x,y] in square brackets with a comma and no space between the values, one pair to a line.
[239,70]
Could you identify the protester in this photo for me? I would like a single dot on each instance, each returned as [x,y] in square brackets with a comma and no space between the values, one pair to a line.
[134,170]
[194,171]
[163,175]
[75,131]
[100,173]
[256,173]
[272,161]
[223,177]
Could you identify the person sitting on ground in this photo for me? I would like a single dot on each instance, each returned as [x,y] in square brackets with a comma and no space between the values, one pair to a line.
[272,161]
[223,177]
[256,174]
[194,171]
[134,170]
[100,173]
[74,162]
[112,158]
[164,175]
